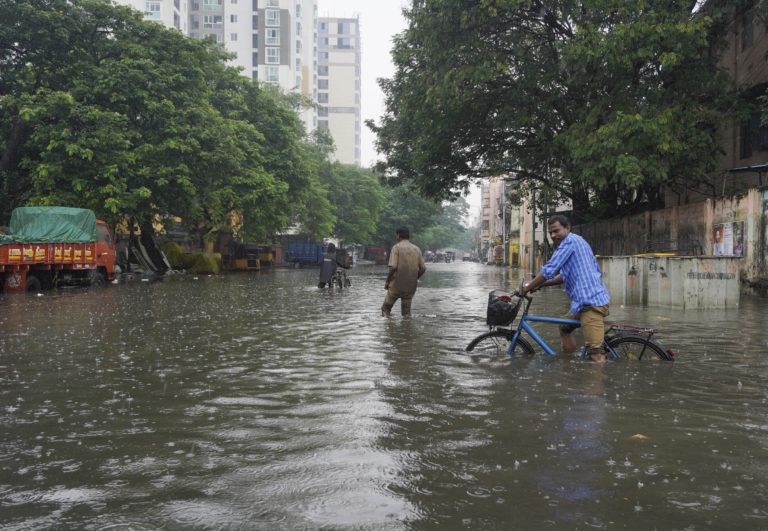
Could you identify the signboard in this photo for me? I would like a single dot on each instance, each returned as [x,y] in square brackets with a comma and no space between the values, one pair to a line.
[728,239]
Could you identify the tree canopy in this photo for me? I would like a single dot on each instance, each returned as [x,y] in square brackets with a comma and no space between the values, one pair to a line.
[102,110]
[599,102]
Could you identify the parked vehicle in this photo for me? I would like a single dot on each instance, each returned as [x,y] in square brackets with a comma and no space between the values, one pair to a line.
[47,246]
[241,257]
[376,254]
[305,253]
[267,255]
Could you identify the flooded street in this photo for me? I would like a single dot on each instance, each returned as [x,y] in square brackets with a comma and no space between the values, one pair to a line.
[257,401]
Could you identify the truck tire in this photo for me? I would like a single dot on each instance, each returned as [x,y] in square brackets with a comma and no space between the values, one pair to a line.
[33,284]
[97,279]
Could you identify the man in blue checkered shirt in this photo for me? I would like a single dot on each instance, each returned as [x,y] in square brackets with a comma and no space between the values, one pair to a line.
[573,263]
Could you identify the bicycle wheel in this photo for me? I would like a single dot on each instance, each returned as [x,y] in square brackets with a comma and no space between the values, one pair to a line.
[496,342]
[637,346]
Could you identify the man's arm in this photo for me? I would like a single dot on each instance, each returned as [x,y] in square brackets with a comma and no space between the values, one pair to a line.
[390,276]
[539,282]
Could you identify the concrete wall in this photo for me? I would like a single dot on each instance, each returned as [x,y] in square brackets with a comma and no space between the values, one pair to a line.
[672,281]
[694,222]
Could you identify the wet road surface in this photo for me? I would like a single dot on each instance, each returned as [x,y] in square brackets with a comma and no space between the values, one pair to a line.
[257,401]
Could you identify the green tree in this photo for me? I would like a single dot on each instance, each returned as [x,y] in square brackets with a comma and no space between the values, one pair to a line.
[601,102]
[357,198]
[447,229]
[403,206]
[100,109]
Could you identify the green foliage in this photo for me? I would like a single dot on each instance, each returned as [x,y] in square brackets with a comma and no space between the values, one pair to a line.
[356,197]
[205,263]
[102,110]
[600,102]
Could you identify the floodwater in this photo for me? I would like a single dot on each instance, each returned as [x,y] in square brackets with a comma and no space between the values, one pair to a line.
[257,401]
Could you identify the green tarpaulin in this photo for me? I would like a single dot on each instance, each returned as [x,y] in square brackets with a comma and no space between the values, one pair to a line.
[51,225]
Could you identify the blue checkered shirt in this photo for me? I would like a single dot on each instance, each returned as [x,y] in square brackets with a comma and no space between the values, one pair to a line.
[576,262]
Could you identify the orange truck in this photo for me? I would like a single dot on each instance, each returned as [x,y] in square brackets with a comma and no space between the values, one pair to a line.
[49,246]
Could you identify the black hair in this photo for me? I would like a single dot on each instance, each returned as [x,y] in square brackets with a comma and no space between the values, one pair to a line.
[331,247]
[561,219]
[403,232]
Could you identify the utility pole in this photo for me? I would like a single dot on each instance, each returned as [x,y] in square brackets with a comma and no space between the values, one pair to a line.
[533,232]
[504,218]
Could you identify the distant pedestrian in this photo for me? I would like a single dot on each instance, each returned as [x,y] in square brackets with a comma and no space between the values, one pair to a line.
[406,266]
[329,264]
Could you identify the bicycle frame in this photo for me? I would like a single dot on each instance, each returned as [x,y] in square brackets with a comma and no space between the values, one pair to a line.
[524,325]
[535,335]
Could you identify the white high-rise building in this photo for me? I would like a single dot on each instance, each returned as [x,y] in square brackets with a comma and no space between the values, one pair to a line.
[274,41]
[170,13]
[338,85]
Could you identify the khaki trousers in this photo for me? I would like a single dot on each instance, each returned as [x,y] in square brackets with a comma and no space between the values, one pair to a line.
[592,324]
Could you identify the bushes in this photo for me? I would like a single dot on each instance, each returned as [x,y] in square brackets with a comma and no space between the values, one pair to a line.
[199,263]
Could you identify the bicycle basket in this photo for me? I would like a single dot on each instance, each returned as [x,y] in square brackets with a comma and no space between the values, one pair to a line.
[502,308]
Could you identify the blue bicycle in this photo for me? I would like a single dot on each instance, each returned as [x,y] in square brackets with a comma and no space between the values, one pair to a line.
[622,341]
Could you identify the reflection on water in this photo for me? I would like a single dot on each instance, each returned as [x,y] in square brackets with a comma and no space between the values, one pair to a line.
[258,401]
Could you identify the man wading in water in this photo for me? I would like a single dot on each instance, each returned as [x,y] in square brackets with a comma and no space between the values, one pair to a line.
[574,264]
[406,265]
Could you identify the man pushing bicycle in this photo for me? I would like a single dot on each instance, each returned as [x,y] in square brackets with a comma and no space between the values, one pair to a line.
[573,263]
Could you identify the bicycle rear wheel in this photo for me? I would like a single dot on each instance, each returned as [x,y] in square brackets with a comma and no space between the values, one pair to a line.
[496,342]
[634,346]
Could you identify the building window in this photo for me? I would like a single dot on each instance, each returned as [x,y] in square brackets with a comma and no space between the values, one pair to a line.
[273,56]
[323,27]
[212,5]
[322,42]
[233,37]
[218,38]
[344,28]
[212,22]
[273,74]
[272,36]
[322,111]
[233,18]
[273,17]
[322,97]
[255,59]
[255,74]
[322,57]
[152,11]
[298,10]
[255,6]
[322,70]
[298,63]
[298,46]
[255,41]
[273,3]
[322,84]
[298,28]
[322,124]
[754,136]
[343,42]
[255,22]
